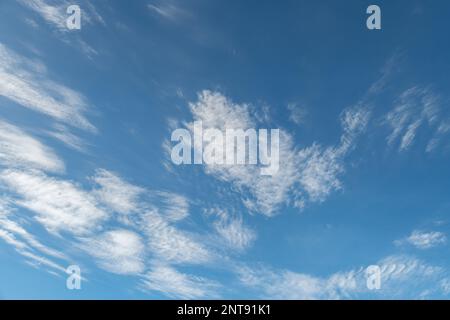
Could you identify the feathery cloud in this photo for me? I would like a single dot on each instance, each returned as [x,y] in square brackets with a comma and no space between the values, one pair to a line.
[309,174]
[424,240]
[58,205]
[399,276]
[168,10]
[24,242]
[117,194]
[56,14]
[170,244]
[24,81]
[118,251]
[297,113]
[232,230]
[173,207]
[175,284]
[63,134]
[415,108]
[20,150]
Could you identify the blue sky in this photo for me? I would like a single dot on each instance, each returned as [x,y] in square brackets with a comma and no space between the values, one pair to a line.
[86,176]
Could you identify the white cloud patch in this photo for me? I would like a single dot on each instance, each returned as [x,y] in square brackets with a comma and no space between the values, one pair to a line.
[13,228]
[424,240]
[216,111]
[56,14]
[63,134]
[442,130]
[23,81]
[291,285]
[232,230]
[168,10]
[354,121]
[401,277]
[319,169]
[19,149]
[62,207]
[38,261]
[297,114]
[52,14]
[117,251]
[117,194]
[175,284]
[309,174]
[386,72]
[28,252]
[416,108]
[170,244]
[58,205]
[24,242]
[172,206]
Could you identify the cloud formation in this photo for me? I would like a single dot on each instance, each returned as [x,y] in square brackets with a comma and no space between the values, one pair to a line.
[24,82]
[178,285]
[59,205]
[232,230]
[424,240]
[21,150]
[416,108]
[308,174]
[118,251]
[56,15]
[398,275]
[115,193]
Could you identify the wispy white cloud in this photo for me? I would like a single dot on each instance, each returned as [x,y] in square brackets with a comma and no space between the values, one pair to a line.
[442,130]
[408,277]
[266,192]
[172,206]
[416,107]
[9,238]
[175,284]
[169,10]
[28,253]
[117,194]
[24,242]
[284,284]
[56,15]
[171,244]
[32,23]
[308,174]
[297,113]
[52,14]
[89,51]
[12,227]
[389,68]
[59,205]
[93,15]
[320,168]
[354,122]
[23,81]
[401,276]
[117,251]
[38,261]
[424,240]
[217,111]
[20,150]
[65,208]
[233,231]
[63,134]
